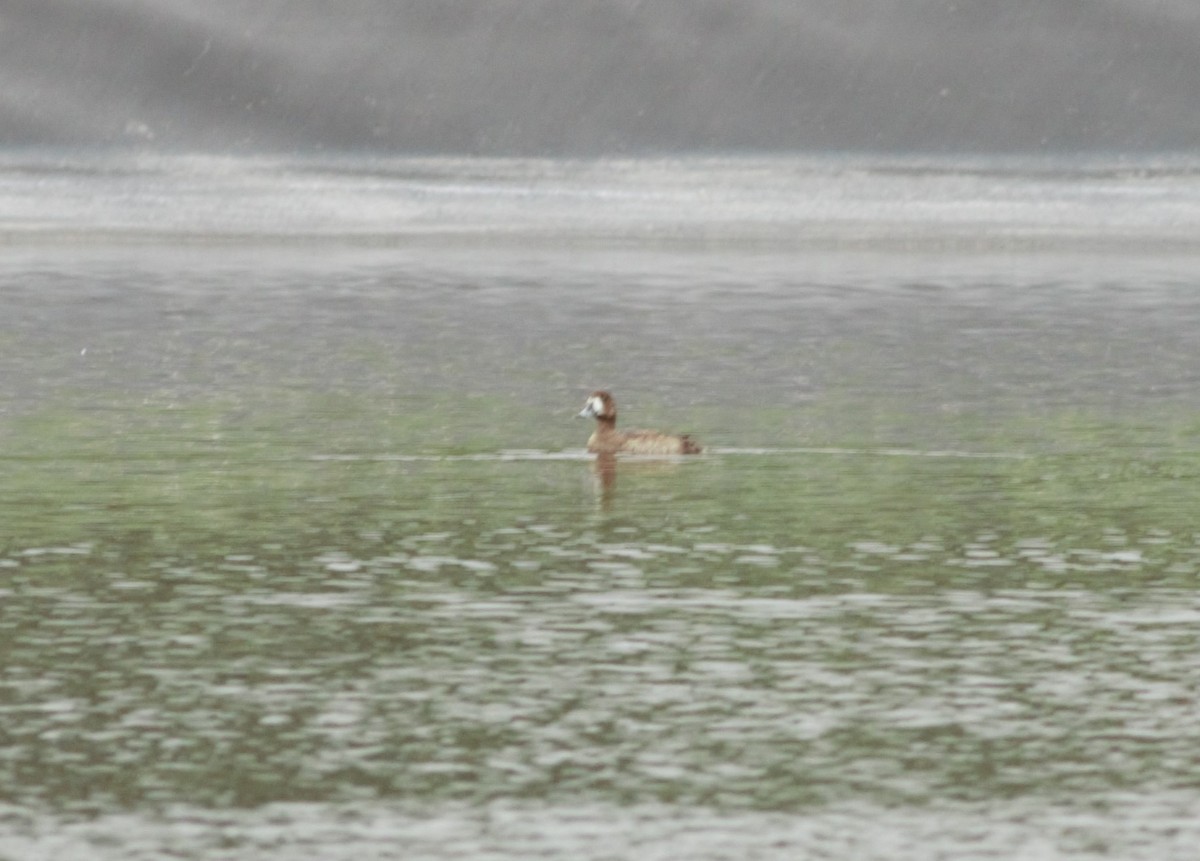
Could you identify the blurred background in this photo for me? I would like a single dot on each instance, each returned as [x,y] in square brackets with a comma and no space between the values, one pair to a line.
[552,78]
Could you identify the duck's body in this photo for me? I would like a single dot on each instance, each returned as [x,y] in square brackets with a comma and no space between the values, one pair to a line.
[608,440]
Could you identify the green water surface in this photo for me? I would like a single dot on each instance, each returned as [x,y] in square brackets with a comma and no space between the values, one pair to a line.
[332,539]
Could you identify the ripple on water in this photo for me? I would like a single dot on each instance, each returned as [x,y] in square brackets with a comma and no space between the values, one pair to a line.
[668,670]
[1158,826]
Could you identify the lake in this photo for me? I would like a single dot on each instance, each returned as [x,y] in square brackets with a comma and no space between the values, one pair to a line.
[301,554]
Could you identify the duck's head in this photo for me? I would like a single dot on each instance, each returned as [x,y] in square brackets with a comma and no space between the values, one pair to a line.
[599,405]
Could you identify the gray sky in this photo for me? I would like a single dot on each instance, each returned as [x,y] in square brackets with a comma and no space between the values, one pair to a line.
[589,77]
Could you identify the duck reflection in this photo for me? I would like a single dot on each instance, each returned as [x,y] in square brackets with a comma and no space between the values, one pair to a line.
[604,478]
[604,468]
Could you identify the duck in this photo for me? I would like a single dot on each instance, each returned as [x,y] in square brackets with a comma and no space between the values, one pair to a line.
[607,440]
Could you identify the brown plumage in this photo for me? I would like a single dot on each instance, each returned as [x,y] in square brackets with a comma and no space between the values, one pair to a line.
[608,440]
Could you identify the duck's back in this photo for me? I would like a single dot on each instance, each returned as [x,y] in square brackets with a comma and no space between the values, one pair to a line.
[654,442]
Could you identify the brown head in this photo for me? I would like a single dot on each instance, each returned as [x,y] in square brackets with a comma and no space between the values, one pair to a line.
[600,406]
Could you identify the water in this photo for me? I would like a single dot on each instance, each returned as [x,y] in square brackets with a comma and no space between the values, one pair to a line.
[300,553]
